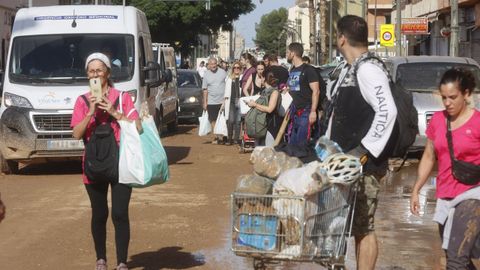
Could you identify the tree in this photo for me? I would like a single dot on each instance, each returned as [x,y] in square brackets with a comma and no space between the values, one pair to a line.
[180,23]
[271,32]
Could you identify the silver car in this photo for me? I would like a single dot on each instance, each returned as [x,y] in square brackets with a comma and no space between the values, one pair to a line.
[421,75]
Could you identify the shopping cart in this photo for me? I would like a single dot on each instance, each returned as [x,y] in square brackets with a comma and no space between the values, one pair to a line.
[275,228]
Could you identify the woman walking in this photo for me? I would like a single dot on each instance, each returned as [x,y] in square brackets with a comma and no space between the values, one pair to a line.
[89,113]
[233,92]
[458,203]
[257,79]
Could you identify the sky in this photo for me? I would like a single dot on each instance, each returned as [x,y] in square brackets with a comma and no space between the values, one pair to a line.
[246,23]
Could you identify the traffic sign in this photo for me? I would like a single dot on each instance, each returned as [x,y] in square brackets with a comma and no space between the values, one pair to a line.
[387,35]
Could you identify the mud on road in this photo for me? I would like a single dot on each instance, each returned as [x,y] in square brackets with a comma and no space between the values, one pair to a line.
[183,224]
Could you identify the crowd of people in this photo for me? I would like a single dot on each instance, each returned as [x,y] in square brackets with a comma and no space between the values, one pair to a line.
[356,109]
[356,102]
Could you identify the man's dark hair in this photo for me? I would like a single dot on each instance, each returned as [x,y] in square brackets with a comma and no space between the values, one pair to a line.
[296,48]
[273,58]
[355,30]
[265,57]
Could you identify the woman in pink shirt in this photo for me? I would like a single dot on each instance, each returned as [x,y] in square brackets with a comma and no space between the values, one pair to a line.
[85,118]
[458,205]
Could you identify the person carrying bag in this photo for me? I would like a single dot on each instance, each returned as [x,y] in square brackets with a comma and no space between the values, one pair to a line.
[95,120]
[454,142]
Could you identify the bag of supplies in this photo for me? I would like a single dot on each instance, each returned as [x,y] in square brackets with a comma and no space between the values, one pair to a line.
[143,160]
[204,126]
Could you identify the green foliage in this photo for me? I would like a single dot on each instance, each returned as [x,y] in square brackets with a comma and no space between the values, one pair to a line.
[271,36]
[181,22]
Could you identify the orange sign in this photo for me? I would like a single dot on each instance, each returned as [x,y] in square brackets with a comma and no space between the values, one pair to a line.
[415,26]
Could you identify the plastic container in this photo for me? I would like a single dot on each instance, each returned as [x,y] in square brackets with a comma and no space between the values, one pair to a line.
[326,147]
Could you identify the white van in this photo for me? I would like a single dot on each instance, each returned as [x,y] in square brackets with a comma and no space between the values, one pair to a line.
[45,73]
[167,103]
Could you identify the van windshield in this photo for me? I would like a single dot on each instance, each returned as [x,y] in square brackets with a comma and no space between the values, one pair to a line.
[427,76]
[53,59]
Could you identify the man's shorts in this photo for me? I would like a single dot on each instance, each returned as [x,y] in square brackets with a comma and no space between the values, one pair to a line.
[213,111]
[366,205]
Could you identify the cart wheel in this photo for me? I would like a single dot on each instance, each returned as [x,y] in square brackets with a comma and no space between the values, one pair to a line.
[259,264]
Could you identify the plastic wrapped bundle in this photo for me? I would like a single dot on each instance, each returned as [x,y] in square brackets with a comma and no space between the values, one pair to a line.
[254,184]
[261,152]
[269,163]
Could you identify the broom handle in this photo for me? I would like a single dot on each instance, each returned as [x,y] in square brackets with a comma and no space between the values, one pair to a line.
[286,118]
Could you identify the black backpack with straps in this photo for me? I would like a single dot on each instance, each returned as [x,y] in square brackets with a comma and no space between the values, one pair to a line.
[406,123]
[101,152]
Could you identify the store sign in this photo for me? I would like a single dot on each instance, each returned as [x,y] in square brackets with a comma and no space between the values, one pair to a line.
[387,35]
[415,26]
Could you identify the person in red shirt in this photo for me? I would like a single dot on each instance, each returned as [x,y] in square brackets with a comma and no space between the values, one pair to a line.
[84,120]
[458,205]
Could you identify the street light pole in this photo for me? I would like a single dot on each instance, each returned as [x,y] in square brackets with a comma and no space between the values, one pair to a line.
[398,28]
[375,26]
[454,28]
[313,34]
[330,38]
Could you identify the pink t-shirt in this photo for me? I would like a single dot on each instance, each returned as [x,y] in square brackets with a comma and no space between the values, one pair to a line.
[80,110]
[466,147]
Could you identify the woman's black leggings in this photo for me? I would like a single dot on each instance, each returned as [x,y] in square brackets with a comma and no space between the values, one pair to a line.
[120,200]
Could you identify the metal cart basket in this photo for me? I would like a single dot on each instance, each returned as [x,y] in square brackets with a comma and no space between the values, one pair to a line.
[275,228]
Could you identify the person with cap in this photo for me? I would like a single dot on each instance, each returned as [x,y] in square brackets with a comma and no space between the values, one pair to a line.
[85,118]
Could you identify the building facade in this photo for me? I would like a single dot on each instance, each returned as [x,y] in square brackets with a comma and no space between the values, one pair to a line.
[438,13]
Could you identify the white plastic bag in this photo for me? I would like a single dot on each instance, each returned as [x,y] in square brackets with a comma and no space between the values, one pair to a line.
[143,160]
[221,124]
[286,101]
[244,108]
[204,126]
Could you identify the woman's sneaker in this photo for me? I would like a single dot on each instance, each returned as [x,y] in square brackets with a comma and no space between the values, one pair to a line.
[101,265]
[122,266]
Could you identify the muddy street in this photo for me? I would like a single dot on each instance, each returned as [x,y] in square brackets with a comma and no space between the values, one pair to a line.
[183,224]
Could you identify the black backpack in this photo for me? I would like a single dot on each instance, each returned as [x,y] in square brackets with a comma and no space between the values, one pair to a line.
[406,123]
[101,152]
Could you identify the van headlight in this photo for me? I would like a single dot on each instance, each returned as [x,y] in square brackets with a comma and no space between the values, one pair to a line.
[191,100]
[16,101]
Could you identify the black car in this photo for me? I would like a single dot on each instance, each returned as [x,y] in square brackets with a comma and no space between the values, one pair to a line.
[189,94]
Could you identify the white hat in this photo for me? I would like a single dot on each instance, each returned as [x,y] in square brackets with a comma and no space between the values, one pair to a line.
[98,56]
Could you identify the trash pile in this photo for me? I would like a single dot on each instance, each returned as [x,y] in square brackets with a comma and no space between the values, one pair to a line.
[282,194]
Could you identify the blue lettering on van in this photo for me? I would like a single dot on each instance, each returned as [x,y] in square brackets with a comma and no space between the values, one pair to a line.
[77,17]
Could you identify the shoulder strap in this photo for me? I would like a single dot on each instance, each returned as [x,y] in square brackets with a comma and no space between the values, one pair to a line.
[86,100]
[384,67]
[449,140]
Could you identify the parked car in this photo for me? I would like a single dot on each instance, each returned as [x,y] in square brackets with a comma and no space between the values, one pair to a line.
[421,75]
[190,94]
[166,100]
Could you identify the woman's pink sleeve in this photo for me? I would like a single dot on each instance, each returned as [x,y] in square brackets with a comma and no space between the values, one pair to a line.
[128,107]
[79,112]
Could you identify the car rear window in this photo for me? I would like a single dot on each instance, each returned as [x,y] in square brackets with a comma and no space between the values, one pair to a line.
[426,76]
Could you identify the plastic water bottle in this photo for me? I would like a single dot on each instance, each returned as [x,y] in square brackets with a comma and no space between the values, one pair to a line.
[326,147]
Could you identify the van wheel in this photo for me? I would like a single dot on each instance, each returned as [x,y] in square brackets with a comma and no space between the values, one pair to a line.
[173,126]
[8,166]
[158,121]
